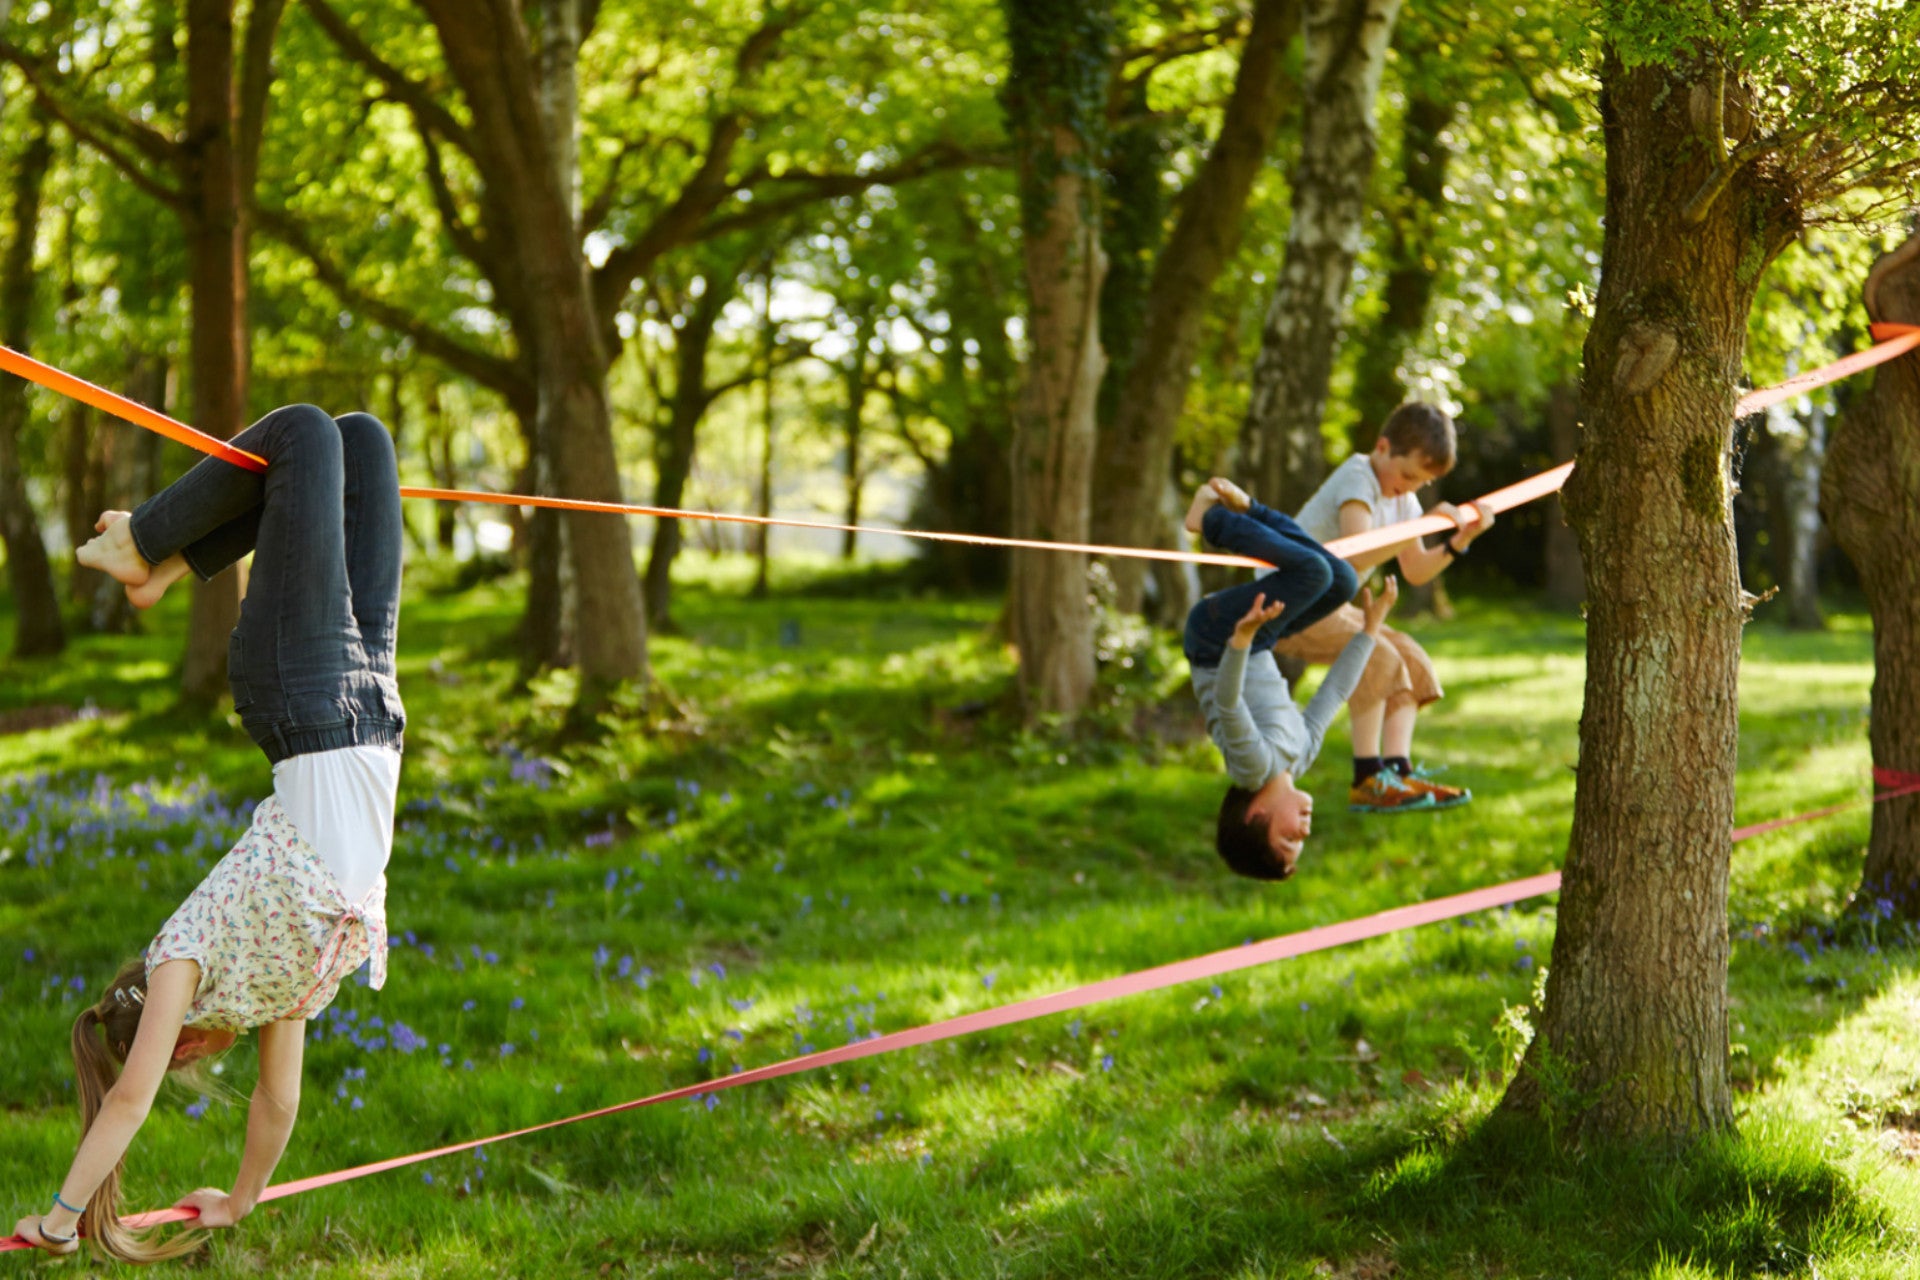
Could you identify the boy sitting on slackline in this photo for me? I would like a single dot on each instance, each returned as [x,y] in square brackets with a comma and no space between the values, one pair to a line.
[1368,491]
[1267,740]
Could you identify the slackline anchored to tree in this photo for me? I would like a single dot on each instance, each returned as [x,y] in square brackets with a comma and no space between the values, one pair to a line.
[1892,340]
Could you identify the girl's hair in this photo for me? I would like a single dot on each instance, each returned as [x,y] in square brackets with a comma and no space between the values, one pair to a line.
[102,1036]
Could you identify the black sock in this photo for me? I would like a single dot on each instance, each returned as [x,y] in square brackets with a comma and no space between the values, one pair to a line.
[1365,767]
[1401,765]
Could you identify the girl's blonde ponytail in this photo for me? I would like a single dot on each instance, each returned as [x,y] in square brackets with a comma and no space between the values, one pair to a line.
[102,1035]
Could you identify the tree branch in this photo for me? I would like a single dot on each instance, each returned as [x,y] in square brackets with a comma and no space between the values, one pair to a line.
[256,77]
[495,372]
[404,89]
[129,167]
[463,235]
[703,192]
[92,123]
[1696,208]
[812,187]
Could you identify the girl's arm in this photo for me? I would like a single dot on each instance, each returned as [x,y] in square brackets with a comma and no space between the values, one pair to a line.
[170,991]
[270,1117]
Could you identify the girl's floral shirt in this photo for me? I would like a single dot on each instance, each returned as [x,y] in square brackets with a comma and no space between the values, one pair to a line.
[272,931]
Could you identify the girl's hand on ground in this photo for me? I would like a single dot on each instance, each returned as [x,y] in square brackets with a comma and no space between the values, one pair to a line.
[1257,617]
[28,1229]
[1377,609]
[216,1207]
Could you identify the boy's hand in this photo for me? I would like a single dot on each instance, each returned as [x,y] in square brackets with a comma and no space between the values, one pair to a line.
[1292,818]
[1466,530]
[1257,617]
[1377,609]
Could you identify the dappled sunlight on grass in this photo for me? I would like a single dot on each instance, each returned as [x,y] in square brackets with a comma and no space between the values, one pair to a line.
[839,831]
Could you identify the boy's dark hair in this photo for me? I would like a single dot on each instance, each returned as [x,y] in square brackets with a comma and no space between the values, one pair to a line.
[1245,844]
[1418,426]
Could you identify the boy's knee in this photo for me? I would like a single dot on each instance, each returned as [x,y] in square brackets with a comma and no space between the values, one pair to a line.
[366,438]
[1342,579]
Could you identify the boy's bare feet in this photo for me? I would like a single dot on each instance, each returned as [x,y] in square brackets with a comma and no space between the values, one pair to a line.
[112,552]
[1232,496]
[1216,490]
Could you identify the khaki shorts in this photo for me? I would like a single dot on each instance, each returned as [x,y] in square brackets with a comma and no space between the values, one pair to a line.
[1398,672]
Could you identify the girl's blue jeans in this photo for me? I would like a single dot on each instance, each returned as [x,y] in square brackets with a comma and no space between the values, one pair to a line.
[311,663]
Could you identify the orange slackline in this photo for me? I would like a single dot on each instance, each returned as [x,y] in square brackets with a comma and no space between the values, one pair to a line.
[1894,340]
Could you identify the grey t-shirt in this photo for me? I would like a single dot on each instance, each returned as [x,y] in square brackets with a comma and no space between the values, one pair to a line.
[1253,719]
[1354,481]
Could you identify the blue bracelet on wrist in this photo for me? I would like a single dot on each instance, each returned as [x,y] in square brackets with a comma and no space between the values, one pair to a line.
[64,1205]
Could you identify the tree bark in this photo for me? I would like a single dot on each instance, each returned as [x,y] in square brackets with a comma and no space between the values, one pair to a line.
[38,630]
[1566,579]
[674,445]
[855,378]
[217,277]
[1346,42]
[490,55]
[1870,496]
[1378,387]
[763,499]
[1633,1037]
[1058,49]
[1798,457]
[1135,456]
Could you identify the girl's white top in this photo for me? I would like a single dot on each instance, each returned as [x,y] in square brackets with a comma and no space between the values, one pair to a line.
[342,802]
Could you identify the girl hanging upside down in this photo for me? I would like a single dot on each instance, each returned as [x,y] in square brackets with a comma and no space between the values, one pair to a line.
[300,902]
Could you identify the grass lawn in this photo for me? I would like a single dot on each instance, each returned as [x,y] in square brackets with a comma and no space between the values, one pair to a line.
[837,833]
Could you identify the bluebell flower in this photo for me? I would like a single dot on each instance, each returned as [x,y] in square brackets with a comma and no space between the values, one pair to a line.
[1106,1062]
[197,1109]
[517,1003]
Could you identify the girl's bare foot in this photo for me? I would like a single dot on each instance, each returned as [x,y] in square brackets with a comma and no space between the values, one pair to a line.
[1204,499]
[164,575]
[113,552]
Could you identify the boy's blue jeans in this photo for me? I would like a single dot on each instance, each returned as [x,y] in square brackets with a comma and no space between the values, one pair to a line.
[1309,579]
[311,663]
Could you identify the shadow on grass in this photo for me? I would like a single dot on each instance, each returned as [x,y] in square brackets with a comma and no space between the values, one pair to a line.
[1504,1192]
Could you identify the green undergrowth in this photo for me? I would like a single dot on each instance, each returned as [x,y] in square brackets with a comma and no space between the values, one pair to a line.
[825,823]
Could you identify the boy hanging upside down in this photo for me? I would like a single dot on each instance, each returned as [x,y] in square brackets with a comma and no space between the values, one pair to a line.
[1266,739]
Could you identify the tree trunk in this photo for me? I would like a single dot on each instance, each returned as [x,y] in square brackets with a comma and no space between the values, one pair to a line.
[673,448]
[1346,43]
[1060,49]
[38,630]
[1135,453]
[855,377]
[1633,1036]
[763,534]
[80,493]
[518,148]
[1378,387]
[1870,496]
[1566,580]
[217,274]
[1801,457]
